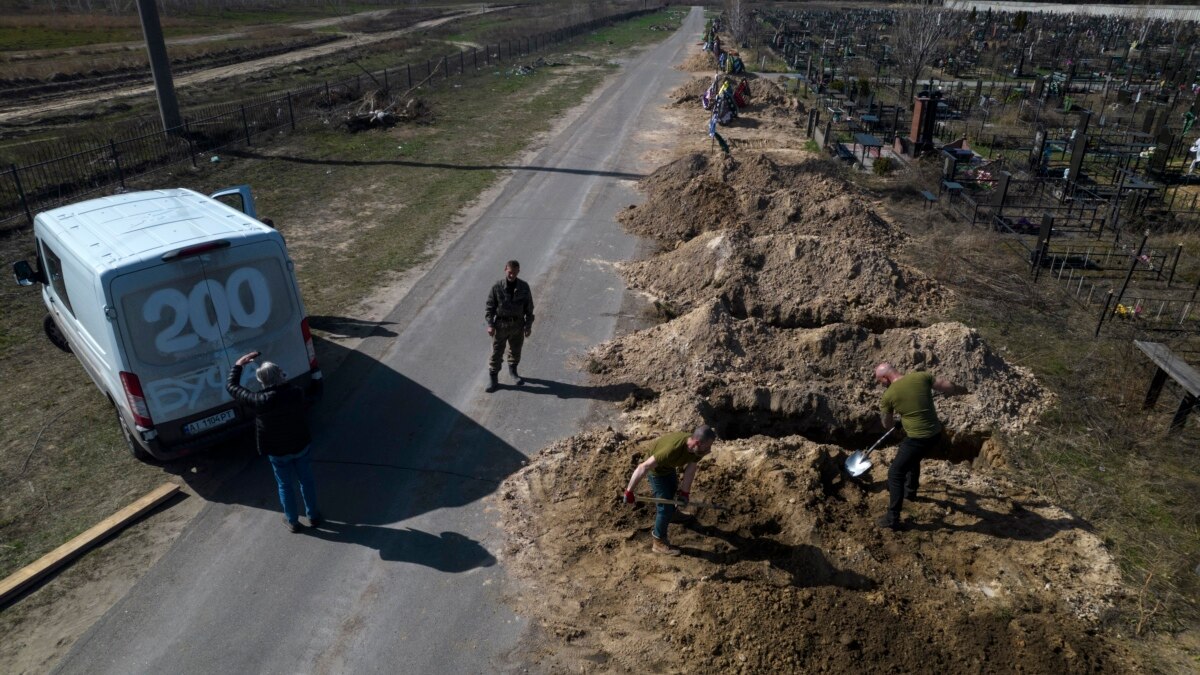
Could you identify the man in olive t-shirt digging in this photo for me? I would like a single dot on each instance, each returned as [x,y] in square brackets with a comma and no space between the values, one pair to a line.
[669,453]
[911,397]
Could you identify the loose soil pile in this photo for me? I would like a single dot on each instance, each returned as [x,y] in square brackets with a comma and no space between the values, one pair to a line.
[783,290]
[788,280]
[699,193]
[699,61]
[793,577]
[747,377]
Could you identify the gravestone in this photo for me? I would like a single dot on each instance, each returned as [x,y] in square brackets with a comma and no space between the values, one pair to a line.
[1039,148]
[1162,148]
[923,120]
[1148,121]
[1078,152]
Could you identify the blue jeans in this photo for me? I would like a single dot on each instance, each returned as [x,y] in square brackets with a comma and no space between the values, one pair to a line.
[288,469]
[664,487]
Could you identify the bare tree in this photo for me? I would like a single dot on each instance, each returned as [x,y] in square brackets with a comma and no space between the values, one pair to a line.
[1142,23]
[918,35]
[739,20]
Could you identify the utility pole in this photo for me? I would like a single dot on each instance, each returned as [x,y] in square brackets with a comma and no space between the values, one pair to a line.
[160,66]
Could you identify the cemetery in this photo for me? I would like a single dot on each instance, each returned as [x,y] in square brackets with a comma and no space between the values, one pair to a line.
[1072,134]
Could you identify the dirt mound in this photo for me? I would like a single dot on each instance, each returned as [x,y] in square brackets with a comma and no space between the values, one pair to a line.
[698,61]
[789,280]
[793,577]
[747,377]
[685,200]
[699,193]
[767,96]
[690,93]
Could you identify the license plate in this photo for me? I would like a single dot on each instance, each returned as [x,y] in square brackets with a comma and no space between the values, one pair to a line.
[209,422]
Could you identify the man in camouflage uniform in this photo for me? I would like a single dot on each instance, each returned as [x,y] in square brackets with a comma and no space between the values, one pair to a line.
[509,321]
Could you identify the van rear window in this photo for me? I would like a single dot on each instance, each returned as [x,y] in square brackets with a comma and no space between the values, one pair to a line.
[54,270]
[192,309]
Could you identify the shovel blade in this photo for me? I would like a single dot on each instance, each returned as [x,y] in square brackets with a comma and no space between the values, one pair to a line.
[857,464]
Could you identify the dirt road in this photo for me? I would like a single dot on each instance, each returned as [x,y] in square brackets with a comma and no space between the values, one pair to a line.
[29,112]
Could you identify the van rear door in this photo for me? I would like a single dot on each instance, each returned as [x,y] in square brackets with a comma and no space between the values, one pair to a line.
[238,197]
[184,322]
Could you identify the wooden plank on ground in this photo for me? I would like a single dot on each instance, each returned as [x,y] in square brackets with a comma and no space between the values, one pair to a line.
[30,574]
[1174,366]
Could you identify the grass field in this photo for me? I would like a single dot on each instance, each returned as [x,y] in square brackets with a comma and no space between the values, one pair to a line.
[358,210]
[62,30]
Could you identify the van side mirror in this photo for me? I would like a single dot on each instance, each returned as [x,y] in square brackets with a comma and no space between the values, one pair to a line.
[25,275]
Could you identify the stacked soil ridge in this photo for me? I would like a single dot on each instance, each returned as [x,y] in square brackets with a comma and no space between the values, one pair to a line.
[746,377]
[784,289]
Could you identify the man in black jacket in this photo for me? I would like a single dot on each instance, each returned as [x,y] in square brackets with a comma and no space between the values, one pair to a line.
[509,318]
[281,430]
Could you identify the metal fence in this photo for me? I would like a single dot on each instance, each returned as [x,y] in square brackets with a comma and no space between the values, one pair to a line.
[70,171]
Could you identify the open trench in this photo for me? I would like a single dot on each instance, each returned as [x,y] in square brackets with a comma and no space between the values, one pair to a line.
[822,426]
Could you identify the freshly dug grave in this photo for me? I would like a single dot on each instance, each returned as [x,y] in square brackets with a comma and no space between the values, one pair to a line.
[699,193]
[789,280]
[794,577]
[747,377]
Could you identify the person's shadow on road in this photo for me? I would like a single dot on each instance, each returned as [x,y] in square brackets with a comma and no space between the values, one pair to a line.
[607,392]
[448,552]
[385,450]
[350,327]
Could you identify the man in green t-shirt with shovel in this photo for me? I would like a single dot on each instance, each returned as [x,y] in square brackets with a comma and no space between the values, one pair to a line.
[911,397]
[668,454]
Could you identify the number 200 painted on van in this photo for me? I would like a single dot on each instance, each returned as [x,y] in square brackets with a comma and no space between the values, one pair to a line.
[157,293]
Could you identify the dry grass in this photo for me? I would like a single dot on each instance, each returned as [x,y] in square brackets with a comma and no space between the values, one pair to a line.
[94,61]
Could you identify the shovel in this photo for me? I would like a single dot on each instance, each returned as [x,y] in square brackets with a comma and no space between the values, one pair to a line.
[857,463]
[659,500]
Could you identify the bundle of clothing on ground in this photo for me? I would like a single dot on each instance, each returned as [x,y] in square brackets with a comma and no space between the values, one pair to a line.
[724,99]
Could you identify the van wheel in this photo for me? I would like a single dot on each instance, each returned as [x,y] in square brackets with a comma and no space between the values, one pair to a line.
[55,335]
[135,448]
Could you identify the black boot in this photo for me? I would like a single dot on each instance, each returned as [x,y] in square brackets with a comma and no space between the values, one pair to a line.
[493,382]
[512,370]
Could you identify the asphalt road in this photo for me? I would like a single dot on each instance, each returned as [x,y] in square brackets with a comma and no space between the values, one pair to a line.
[404,576]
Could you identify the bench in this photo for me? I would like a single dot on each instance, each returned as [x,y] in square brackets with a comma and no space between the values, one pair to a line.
[843,153]
[930,198]
[1169,364]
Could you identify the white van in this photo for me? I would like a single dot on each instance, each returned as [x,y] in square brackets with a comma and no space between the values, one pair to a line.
[158,293]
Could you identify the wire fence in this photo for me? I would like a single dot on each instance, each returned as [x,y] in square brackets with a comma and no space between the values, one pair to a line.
[69,171]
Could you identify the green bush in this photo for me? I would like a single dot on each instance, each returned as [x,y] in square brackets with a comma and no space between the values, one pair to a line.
[882,166]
